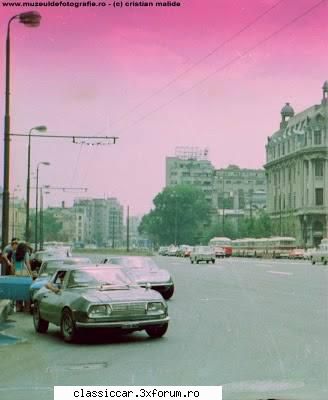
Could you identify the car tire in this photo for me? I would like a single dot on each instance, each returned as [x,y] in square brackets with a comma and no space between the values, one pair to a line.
[40,324]
[313,262]
[197,261]
[169,293]
[156,331]
[207,261]
[192,261]
[213,261]
[67,326]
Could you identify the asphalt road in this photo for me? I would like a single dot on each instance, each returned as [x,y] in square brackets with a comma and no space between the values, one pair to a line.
[257,327]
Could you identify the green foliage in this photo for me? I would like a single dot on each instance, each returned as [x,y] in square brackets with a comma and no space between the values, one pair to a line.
[180,214]
[51,228]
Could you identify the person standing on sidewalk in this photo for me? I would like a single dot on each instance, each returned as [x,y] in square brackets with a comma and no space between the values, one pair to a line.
[22,267]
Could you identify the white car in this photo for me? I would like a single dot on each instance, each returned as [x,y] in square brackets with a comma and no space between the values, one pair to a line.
[202,253]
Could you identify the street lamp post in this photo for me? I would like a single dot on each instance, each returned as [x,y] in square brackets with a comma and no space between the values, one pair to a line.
[30,19]
[40,128]
[41,217]
[36,201]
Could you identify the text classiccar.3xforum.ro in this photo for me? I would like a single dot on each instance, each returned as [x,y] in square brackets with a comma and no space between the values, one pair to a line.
[142,393]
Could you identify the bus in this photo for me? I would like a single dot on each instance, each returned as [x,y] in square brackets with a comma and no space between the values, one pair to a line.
[273,247]
[223,242]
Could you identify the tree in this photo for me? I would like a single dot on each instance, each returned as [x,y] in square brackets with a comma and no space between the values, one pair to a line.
[179,216]
[52,227]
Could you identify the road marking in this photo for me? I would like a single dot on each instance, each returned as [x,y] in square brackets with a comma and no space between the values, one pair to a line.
[280,273]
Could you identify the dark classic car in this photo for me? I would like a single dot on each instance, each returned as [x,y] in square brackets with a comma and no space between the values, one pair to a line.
[98,297]
[145,272]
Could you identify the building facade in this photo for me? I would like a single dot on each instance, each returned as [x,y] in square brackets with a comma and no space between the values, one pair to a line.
[98,222]
[297,173]
[190,166]
[240,188]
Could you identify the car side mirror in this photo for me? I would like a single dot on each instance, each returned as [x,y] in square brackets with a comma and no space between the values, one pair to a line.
[148,286]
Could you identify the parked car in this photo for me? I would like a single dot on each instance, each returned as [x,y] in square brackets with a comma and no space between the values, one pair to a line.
[162,251]
[308,253]
[98,297]
[48,268]
[202,253]
[39,256]
[145,271]
[172,251]
[321,254]
[219,252]
[296,254]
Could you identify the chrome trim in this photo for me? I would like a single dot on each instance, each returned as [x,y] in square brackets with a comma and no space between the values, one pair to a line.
[122,324]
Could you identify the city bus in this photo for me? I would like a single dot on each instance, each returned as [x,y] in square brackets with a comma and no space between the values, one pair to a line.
[273,247]
[223,242]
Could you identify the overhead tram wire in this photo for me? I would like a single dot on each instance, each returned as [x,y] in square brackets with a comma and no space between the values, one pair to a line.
[199,61]
[223,67]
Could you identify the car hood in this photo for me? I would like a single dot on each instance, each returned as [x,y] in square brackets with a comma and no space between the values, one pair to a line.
[128,295]
[154,276]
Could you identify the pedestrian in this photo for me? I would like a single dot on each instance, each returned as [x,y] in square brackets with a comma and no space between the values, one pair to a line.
[22,267]
[6,266]
[9,252]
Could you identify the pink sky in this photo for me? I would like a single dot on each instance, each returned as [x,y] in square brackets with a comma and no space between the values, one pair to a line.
[82,69]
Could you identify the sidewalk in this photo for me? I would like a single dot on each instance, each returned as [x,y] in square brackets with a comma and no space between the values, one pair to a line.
[5,309]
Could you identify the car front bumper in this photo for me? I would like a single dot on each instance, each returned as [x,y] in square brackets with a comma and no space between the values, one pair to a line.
[141,324]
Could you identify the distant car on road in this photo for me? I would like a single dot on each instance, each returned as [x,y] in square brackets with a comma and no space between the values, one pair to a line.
[219,252]
[202,253]
[296,254]
[145,272]
[98,297]
[321,254]
[162,251]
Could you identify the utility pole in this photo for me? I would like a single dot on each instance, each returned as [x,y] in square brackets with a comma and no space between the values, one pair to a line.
[128,230]
[113,230]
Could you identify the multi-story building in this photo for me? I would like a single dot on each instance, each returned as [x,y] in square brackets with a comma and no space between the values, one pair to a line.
[230,188]
[99,221]
[191,166]
[66,217]
[297,173]
[17,218]
[240,188]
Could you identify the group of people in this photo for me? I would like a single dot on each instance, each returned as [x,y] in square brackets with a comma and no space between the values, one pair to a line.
[15,260]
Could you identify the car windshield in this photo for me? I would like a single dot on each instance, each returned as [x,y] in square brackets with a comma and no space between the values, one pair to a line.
[99,277]
[136,263]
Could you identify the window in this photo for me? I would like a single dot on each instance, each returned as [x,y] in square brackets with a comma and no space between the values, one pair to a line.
[319,197]
[318,167]
[317,137]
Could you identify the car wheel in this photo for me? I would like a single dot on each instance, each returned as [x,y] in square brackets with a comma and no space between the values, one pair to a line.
[197,261]
[157,331]
[213,261]
[67,326]
[313,262]
[207,261]
[325,262]
[192,261]
[40,325]
[169,293]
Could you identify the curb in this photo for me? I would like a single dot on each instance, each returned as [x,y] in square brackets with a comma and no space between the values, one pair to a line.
[5,309]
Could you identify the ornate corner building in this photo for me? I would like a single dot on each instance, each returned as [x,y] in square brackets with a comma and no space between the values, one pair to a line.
[297,173]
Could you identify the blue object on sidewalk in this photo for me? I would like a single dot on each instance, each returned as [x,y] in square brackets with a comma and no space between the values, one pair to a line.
[15,287]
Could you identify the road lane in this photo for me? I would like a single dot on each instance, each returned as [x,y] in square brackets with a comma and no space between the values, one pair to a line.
[232,323]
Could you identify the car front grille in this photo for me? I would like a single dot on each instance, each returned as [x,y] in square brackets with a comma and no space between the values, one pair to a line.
[128,309]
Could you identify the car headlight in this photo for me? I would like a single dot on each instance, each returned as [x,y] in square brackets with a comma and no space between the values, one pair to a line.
[155,307]
[99,311]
